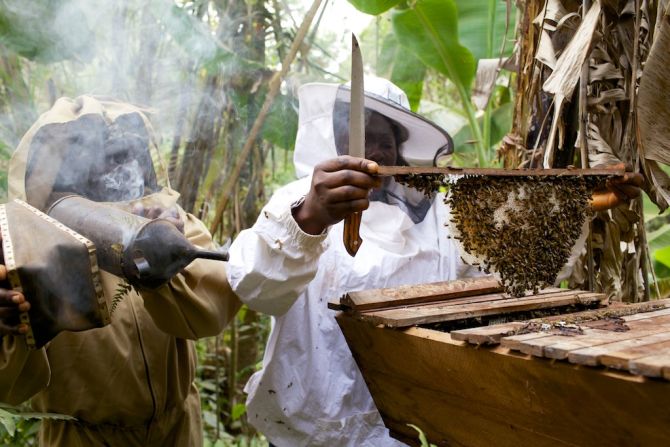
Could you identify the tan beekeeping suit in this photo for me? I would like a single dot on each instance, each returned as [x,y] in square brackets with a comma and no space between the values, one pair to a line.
[129,383]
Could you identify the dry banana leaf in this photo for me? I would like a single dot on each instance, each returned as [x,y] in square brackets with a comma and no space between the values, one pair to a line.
[654,114]
[487,71]
[563,80]
[551,15]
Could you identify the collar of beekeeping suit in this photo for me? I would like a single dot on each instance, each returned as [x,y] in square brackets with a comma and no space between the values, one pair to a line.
[422,143]
[81,146]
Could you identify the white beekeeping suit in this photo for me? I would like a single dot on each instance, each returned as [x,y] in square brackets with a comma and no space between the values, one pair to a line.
[310,391]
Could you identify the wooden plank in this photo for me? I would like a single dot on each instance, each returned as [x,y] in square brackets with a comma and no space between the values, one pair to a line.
[456,301]
[487,335]
[591,356]
[596,337]
[557,345]
[613,310]
[515,342]
[645,315]
[419,294]
[652,366]
[489,298]
[621,359]
[498,172]
[463,396]
[536,346]
[337,304]
[433,313]
[493,334]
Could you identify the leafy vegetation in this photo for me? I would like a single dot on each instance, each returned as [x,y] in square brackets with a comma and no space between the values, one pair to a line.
[205,67]
[19,425]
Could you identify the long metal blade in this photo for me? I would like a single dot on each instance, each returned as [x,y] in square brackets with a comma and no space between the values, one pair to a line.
[356,111]
[352,223]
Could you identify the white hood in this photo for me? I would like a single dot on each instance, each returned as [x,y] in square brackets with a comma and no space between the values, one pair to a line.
[315,141]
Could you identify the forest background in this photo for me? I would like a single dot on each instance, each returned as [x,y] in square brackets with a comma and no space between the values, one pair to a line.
[221,77]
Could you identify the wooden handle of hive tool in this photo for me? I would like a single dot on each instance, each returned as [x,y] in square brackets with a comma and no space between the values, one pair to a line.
[604,201]
[352,238]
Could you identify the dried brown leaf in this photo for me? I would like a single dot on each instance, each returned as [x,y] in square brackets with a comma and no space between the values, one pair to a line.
[604,71]
[545,50]
[563,80]
[657,184]
[654,115]
[487,70]
[551,14]
[600,152]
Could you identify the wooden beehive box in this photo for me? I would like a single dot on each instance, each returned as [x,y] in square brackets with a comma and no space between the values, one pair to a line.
[432,358]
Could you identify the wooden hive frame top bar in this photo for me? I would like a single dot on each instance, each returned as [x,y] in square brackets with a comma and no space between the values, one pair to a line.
[498,172]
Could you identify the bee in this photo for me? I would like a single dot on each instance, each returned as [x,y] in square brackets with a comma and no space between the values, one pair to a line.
[542,219]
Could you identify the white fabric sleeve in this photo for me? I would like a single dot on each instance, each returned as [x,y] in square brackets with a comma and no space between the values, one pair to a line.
[272,263]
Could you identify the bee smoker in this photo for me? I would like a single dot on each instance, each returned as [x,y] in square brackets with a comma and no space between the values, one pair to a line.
[147,253]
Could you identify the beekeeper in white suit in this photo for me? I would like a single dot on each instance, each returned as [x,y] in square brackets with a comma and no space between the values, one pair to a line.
[292,261]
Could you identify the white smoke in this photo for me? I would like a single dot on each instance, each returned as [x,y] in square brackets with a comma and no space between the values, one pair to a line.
[124,182]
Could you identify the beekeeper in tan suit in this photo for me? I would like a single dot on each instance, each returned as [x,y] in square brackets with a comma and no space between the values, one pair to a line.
[129,383]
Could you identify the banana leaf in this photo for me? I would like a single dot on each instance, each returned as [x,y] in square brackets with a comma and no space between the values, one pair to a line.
[430,30]
[403,69]
[374,7]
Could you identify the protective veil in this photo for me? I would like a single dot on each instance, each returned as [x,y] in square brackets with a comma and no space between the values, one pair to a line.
[310,391]
[129,383]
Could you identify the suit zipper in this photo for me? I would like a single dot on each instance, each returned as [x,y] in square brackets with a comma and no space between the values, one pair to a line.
[146,369]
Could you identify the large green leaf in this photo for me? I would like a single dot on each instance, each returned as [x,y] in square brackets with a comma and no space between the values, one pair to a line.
[659,239]
[191,36]
[374,7]
[281,124]
[46,31]
[402,68]
[473,24]
[429,28]
[7,421]
[663,256]
[501,122]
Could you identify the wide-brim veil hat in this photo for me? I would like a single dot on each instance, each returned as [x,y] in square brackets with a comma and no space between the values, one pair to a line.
[423,142]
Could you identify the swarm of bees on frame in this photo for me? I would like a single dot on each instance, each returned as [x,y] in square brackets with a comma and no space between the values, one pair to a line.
[522,229]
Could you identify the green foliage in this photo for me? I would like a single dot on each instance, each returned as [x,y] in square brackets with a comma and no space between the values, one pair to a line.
[281,126]
[474,27]
[658,240]
[403,68]
[46,30]
[189,34]
[19,425]
[422,436]
[430,30]
[374,7]
[238,410]
[236,441]
[501,122]
[224,366]
[122,290]
[449,36]
[663,255]
[23,432]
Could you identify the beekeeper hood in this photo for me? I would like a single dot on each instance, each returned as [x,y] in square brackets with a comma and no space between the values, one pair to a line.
[98,148]
[324,112]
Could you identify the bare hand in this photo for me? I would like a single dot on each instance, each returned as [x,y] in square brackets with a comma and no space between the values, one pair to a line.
[11,305]
[157,212]
[340,187]
[617,191]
